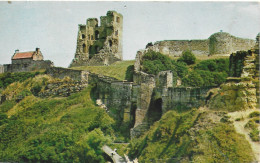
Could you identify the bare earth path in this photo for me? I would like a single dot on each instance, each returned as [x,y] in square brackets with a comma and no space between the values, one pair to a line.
[239,126]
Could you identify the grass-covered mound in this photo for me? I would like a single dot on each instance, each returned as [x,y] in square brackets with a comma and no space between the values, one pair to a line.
[70,129]
[117,70]
[193,136]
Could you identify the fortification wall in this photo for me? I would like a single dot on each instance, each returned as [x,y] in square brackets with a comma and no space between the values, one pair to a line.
[220,43]
[176,47]
[184,98]
[224,43]
[77,75]
[30,66]
[116,95]
[62,89]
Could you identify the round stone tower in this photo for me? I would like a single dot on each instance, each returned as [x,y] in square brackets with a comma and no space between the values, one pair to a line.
[220,43]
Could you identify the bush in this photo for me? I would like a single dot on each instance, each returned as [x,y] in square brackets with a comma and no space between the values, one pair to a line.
[154,62]
[187,57]
[193,79]
[214,65]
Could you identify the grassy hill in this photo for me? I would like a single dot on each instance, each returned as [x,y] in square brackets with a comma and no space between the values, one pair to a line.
[116,70]
[193,136]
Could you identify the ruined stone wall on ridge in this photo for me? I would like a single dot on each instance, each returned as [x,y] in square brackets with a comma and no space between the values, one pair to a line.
[61,73]
[30,66]
[176,47]
[104,40]
[220,43]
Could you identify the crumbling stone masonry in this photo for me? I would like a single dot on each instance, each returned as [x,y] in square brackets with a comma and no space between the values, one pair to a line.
[241,91]
[100,45]
[220,43]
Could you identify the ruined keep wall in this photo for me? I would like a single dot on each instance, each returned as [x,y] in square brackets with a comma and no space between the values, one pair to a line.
[105,40]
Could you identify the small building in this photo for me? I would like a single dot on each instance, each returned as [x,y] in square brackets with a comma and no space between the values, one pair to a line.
[27,57]
[27,61]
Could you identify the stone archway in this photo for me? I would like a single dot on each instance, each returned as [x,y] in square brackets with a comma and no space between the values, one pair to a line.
[155,111]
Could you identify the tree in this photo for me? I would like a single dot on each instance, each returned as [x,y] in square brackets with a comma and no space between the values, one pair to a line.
[187,57]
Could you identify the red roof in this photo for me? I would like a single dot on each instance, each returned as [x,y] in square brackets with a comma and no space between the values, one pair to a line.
[23,55]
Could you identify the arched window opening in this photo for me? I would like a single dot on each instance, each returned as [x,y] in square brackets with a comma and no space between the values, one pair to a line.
[117,19]
[97,35]
[84,48]
[83,36]
[110,43]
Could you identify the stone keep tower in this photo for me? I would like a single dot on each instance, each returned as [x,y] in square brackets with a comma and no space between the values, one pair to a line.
[100,45]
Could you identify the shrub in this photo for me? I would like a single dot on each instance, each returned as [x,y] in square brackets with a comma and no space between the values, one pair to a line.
[154,62]
[214,65]
[193,79]
[187,57]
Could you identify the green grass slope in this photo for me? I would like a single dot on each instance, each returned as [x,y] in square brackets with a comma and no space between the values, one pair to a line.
[116,70]
[70,129]
[191,137]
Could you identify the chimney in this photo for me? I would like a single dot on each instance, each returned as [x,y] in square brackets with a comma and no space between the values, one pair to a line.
[17,51]
[37,50]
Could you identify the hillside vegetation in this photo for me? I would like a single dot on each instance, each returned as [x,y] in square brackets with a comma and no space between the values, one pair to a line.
[117,70]
[192,73]
[56,129]
[193,136]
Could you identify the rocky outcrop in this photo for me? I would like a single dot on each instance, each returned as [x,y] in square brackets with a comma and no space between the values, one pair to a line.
[241,91]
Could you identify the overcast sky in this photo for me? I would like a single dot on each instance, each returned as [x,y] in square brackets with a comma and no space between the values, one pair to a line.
[53,26]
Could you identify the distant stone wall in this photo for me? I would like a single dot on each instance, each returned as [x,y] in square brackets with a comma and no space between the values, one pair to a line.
[176,47]
[1,69]
[220,43]
[30,66]
[77,75]
[224,43]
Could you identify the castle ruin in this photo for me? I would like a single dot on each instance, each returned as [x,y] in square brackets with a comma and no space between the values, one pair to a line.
[99,45]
